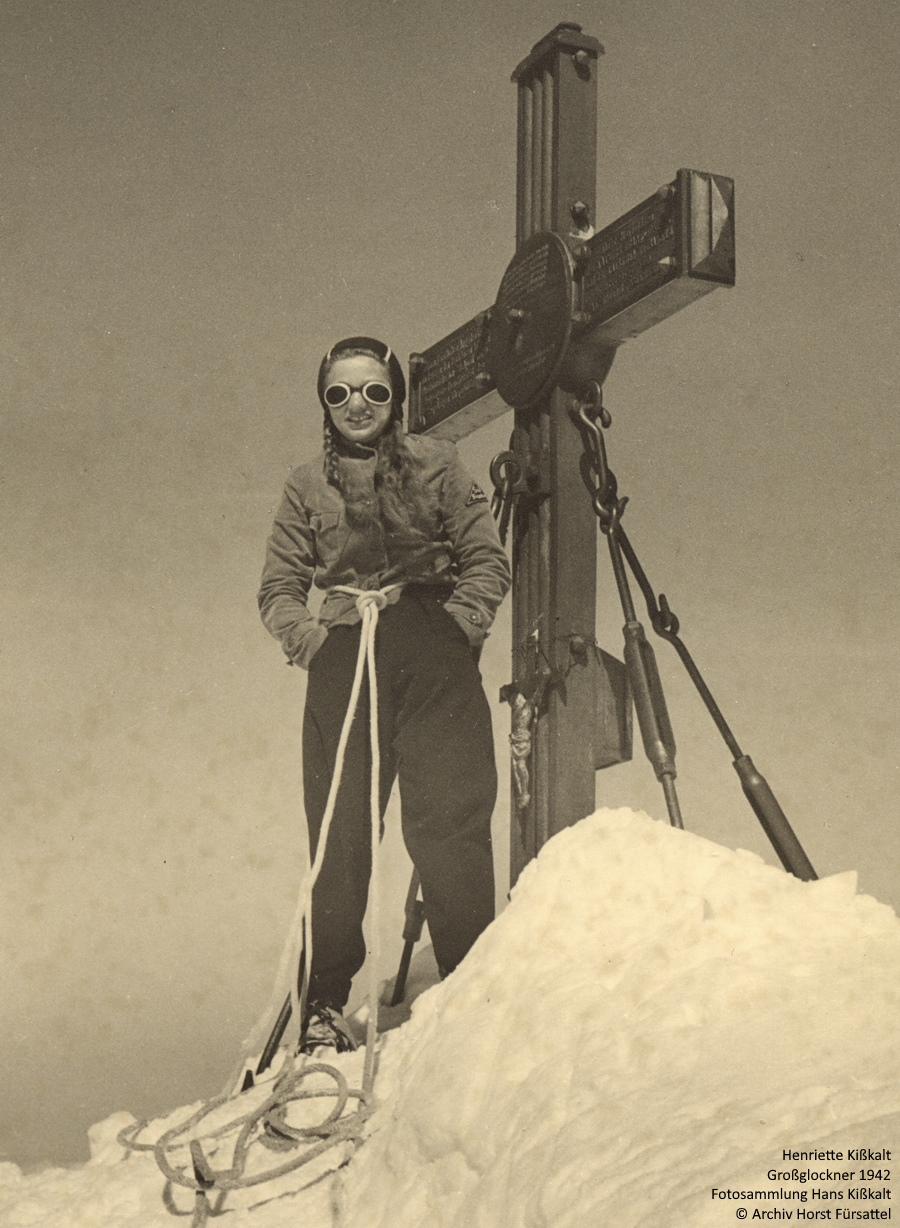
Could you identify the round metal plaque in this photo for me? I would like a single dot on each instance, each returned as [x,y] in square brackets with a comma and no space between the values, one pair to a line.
[531,321]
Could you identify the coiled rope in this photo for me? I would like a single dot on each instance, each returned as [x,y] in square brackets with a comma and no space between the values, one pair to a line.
[267,1122]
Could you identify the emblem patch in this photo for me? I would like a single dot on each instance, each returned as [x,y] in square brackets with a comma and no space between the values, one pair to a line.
[476,495]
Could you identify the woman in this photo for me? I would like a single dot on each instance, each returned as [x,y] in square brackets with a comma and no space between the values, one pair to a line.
[378,508]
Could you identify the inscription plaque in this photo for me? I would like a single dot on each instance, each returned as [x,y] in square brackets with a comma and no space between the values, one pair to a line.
[531,321]
[450,391]
[631,258]
[669,250]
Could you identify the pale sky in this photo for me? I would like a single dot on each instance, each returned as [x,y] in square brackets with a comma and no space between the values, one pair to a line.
[196,201]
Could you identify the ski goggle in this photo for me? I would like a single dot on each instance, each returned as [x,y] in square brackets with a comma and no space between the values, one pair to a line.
[375,392]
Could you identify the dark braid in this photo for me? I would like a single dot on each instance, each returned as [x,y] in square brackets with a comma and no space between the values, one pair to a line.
[332,473]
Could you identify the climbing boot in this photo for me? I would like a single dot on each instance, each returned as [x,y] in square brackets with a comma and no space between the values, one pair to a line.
[325,1027]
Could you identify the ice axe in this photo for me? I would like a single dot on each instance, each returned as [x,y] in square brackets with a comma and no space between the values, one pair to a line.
[412,932]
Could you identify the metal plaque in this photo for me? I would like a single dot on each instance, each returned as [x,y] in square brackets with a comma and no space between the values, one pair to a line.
[632,258]
[450,392]
[531,321]
[668,251]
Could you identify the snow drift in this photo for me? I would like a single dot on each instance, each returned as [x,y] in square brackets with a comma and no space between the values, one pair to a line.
[653,1017]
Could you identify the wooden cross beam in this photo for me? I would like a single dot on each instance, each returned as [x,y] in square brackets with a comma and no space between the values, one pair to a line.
[569,297]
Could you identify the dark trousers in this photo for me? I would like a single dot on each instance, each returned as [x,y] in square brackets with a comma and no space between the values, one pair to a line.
[435,735]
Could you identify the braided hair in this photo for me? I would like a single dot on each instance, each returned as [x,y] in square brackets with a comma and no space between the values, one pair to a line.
[403,506]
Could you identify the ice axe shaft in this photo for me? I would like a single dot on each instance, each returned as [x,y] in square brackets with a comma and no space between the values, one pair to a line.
[412,932]
[284,1017]
[271,1046]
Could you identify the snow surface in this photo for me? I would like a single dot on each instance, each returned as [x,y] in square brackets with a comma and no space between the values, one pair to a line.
[652,1017]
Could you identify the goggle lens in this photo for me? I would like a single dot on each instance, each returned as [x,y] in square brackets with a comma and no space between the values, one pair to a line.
[375,392]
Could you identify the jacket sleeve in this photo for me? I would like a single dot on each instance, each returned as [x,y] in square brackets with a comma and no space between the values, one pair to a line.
[286,581]
[480,562]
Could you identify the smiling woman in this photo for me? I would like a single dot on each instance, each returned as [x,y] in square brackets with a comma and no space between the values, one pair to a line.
[383,512]
[359,411]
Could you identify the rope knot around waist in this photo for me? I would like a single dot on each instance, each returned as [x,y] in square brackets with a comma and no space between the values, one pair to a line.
[373,599]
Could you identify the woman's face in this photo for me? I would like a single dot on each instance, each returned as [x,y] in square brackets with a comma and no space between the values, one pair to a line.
[359,420]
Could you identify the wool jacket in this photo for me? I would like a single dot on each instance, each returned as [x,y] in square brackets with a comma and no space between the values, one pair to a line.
[312,543]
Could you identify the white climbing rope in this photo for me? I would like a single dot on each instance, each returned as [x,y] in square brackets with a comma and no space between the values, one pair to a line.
[336,1128]
[368,602]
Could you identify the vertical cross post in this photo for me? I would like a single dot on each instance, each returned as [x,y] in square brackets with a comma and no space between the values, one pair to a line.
[555,532]
[550,337]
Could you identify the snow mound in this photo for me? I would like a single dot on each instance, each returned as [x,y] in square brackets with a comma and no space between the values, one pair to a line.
[652,1016]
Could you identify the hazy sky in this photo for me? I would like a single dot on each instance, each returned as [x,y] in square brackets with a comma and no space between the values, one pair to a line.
[197,198]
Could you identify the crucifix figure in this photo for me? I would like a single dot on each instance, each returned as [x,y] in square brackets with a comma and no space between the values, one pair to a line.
[569,297]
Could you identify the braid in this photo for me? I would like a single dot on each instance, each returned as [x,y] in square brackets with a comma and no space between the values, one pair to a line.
[332,471]
[404,509]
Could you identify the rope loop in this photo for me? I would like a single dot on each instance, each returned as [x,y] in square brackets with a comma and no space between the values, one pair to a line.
[265,1124]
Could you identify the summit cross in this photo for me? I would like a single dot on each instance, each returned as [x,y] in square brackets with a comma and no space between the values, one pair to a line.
[569,297]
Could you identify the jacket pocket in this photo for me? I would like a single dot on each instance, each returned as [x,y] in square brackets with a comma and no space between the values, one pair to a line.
[470,633]
[330,532]
[310,645]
